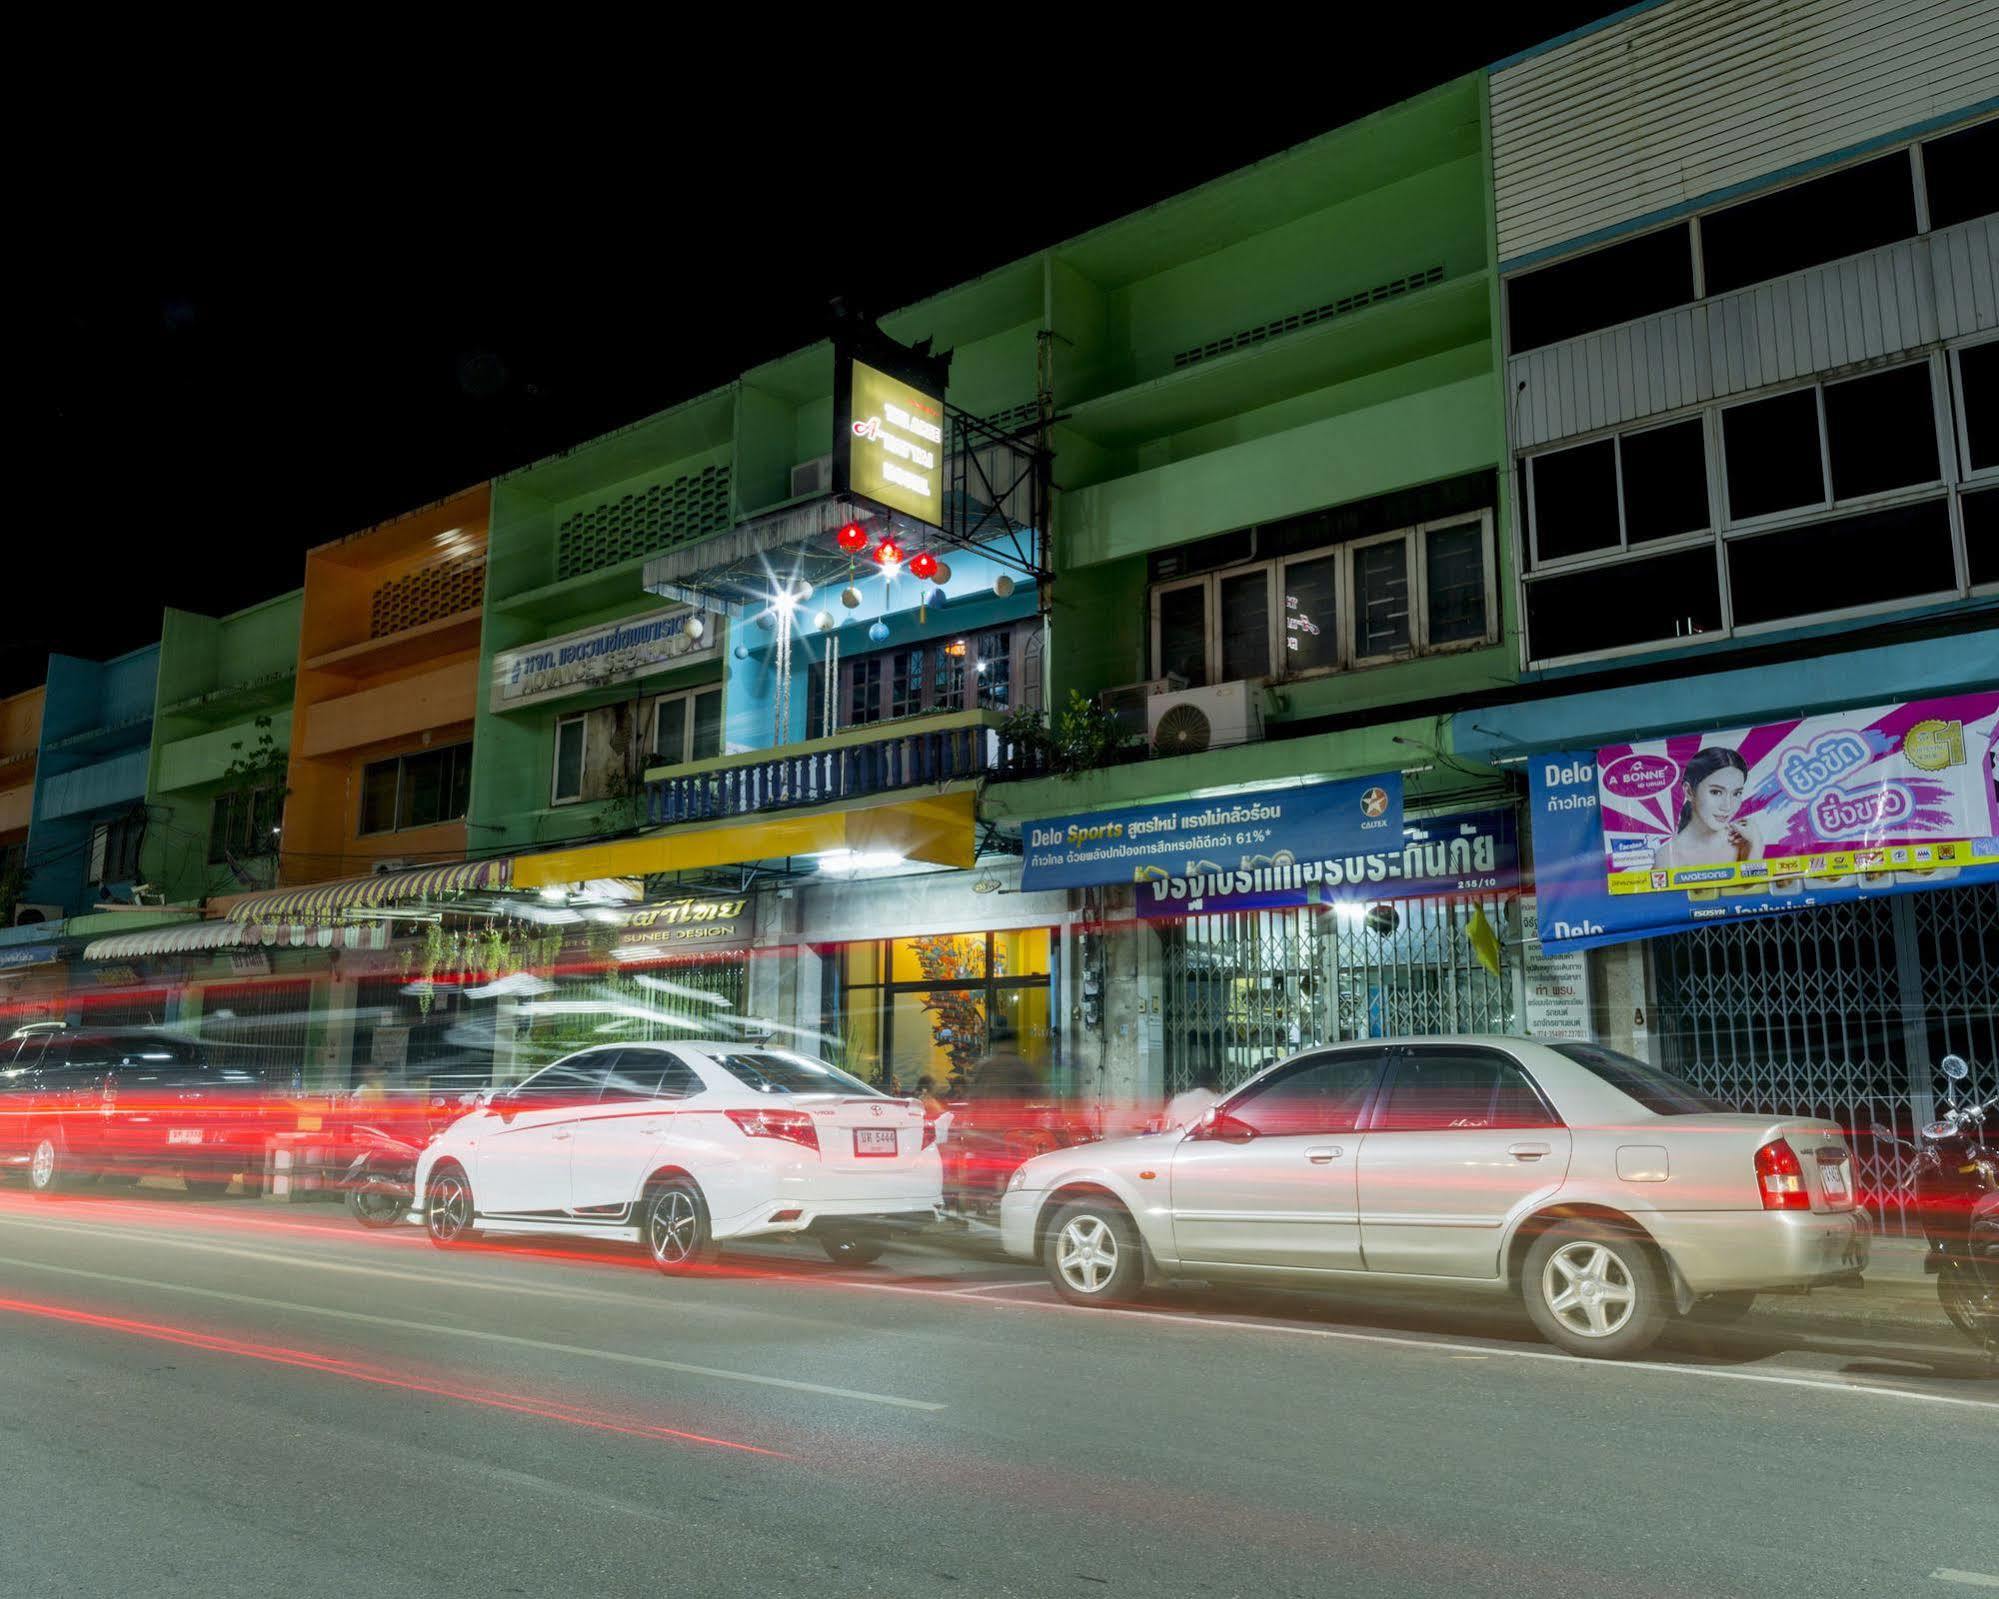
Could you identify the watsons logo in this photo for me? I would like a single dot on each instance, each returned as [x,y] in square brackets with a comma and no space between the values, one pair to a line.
[1829,757]
[1838,813]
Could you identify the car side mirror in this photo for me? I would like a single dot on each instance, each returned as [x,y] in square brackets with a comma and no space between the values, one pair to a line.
[1217,1126]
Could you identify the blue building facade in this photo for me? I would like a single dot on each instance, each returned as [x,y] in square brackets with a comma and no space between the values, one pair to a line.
[90,781]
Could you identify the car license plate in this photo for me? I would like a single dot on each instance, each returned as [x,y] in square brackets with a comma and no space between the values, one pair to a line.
[1833,1180]
[183,1135]
[874,1140]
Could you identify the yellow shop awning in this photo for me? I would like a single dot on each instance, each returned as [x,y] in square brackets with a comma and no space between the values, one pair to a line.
[938,828]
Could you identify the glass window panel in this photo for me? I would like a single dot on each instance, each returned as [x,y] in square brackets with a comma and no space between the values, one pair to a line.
[1835,566]
[1183,633]
[422,802]
[1978,393]
[1458,1089]
[949,689]
[1325,1095]
[1881,432]
[669,731]
[939,957]
[863,962]
[1981,535]
[1603,288]
[935,1032]
[1021,953]
[1962,172]
[707,724]
[221,824]
[378,796]
[569,759]
[1454,580]
[864,686]
[905,682]
[1665,482]
[1381,598]
[1311,614]
[1624,605]
[995,671]
[1772,452]
[1245,606]
[1575,501]
[815,700]
[458,794]
[1843,213]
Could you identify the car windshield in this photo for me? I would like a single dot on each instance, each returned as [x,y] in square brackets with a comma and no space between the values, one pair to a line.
[771,1073]
[1659,1093]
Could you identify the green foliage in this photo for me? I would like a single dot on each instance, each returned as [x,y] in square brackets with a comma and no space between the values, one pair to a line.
[257,763]
[1083,738]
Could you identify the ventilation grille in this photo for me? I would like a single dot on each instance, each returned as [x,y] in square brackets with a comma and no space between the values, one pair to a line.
[1015,417]
[425,595]
[644,522]
[1393,289]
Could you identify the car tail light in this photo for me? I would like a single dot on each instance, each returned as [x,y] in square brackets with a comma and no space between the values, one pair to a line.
[1781,1178]
[792,1124]
[929,1134]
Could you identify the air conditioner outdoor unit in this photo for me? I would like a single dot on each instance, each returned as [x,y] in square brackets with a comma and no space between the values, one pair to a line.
[28,915]
[1195,719]
[812,477]
[384,866]
[1127,703]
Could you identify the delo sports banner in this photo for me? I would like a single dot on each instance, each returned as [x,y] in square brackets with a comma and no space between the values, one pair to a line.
[1208,837]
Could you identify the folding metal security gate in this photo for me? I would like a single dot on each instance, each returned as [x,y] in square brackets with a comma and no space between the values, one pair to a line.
[676,999]
[1842,1012]
[1243,988]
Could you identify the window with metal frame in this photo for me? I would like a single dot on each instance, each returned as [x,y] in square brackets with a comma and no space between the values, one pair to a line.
[1368,600]
[114,849]
[571,739]
[1686,528]
[1975,381]
[245,822]
[419,789]
[686,726]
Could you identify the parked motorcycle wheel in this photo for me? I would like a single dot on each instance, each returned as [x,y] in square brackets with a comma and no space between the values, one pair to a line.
[1972,1309]
[377,1203]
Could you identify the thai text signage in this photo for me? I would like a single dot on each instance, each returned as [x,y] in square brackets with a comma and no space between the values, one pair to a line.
[1825,798]
[894,444]
[1468,853]
[1214,838]
[1897,825]
[611,652]
[684,927]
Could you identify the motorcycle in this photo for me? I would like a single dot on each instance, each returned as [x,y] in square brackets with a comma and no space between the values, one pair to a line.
[379,1183]
[1957,1193]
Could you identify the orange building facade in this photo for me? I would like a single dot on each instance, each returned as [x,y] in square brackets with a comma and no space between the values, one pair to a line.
[387,688]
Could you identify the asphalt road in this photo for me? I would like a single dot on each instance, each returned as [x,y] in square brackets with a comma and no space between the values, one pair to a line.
[235,1397]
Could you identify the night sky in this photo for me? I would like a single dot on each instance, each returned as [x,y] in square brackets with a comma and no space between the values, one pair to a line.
[252,329]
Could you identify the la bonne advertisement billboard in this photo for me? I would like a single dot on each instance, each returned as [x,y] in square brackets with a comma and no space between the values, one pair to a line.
[1658,836]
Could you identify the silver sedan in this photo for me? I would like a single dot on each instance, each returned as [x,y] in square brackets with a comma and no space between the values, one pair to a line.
[1608,1195]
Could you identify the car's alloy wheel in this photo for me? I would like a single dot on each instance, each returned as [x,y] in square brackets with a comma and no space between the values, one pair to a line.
[48,1165]
[675,1227]
[1093,1255]
[1594,1289]
[447,1208]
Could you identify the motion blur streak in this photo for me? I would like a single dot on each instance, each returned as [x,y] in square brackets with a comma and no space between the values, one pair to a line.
[332,1366]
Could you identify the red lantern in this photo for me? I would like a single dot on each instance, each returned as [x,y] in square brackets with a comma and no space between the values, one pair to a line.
[888,553]
[853,537]
[923,564]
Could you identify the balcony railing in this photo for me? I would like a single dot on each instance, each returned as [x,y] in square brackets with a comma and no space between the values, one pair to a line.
[959,747]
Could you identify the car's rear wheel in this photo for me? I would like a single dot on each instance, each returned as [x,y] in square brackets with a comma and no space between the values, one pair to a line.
[851,1246]
[50,1169]
[1092,1254]
[1594,1290]
[448,1211]
[673,1222]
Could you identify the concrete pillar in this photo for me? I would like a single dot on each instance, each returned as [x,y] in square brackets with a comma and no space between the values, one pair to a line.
[1621,1000]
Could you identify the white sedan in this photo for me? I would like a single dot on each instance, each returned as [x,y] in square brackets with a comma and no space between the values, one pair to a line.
[681,1147]
[1605,1193]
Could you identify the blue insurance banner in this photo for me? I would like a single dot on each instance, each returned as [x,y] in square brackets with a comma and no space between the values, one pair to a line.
[1237,832]
[1578,910]
[1468,852]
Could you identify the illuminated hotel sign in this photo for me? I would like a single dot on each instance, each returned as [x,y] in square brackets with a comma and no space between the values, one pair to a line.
[890,447]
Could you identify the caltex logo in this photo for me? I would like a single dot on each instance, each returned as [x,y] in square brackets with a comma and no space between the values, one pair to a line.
[1374,802]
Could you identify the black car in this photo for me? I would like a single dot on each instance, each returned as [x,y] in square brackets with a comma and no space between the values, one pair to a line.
[80,1104]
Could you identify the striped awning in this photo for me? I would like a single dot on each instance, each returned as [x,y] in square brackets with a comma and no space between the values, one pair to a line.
[322,900]
[194,937]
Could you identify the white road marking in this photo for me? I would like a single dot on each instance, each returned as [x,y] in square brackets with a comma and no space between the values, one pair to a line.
[1971,1579]
[985,1288]
[1440,1347]
[480,1334]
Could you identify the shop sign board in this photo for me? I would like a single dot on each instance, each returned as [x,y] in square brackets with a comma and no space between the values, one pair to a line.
[1556,987]
[27,955]
[1209,843]
[684,927]
[888,428]
[390,1048]
[1469,852]
[1813,811]
[609,653]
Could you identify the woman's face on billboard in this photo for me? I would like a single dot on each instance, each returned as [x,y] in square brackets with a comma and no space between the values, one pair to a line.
[1716,797]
